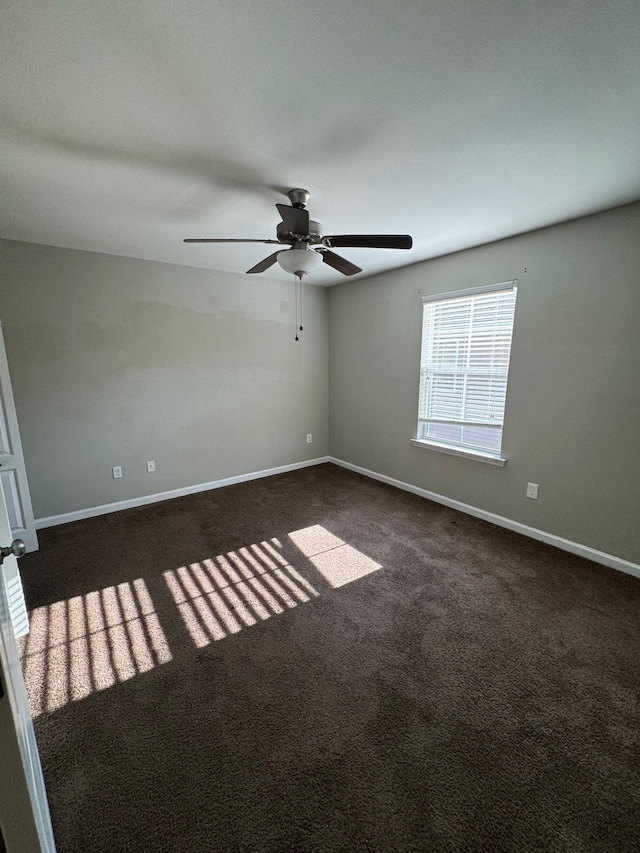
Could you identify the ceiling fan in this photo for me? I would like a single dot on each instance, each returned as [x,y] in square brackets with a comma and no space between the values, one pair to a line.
[308,245]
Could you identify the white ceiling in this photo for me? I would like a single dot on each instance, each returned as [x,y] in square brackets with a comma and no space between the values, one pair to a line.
[130,124]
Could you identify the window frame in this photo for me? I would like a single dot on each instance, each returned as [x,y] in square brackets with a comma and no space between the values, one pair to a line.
[459,449]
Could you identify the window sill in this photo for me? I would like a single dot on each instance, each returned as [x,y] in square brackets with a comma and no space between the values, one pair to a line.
[465,452]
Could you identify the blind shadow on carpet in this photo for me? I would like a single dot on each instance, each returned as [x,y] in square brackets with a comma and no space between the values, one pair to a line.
[93,641]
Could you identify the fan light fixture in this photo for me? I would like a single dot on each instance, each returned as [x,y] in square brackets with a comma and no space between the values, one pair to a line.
[299,261]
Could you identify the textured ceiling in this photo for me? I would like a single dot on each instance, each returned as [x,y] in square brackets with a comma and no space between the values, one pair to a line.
[127,126]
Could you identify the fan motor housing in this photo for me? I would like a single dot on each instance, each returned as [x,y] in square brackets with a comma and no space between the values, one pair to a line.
[316,232]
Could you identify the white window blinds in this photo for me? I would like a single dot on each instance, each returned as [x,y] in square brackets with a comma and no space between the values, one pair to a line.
[466,344]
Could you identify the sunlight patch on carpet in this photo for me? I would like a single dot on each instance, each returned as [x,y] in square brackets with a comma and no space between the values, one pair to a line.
[219,596]
[336,561]
[90,642]
[95,641]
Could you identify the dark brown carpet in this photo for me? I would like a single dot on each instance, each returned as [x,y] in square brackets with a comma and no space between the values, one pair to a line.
[233,672]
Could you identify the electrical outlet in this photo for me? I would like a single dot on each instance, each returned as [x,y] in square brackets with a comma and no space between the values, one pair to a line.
[309,438]
[117,472]
[532,491]
[151,466]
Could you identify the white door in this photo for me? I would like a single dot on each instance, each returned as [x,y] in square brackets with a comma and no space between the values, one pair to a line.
[13,474]
[24,811]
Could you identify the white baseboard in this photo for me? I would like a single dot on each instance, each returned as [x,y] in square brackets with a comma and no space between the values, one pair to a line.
[116,506]
[549,538]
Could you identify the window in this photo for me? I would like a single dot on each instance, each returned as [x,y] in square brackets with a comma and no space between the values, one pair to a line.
[466,344]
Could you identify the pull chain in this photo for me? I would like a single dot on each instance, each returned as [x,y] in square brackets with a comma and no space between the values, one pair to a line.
[300,286]
[297,283]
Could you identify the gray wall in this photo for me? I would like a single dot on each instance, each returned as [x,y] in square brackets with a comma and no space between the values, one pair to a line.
[572,422]
[115,361]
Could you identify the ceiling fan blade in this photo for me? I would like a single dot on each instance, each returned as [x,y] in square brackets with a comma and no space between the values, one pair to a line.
[296,219]
[264,265]
[223,240]
[369,241]
[338,263]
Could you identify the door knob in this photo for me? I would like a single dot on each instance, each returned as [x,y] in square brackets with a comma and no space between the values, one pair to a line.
[17,548]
